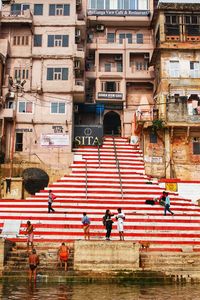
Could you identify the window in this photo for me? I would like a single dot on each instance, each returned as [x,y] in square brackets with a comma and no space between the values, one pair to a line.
[174,69]
[108,67]
[18,9]
[21,74]
[25,107]
[110,37]
[37,42]
[119,67]
[192,25]
[19,141]
[196,145]
[38,9]
[127,36]
[153,137]
[172,25]
[57,108]
[58,40]
[20,40]
[59,10]
[139,38]
[141,66]
[194,69]
[57,73]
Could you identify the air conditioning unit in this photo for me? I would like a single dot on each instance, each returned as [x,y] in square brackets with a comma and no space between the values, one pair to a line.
[78,2]
[118,57]
[10,95]
[77,64]
[100,27]
[75,108]
[77,33]
[39,90]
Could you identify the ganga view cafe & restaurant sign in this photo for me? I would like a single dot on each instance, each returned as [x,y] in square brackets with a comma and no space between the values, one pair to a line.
[88,135]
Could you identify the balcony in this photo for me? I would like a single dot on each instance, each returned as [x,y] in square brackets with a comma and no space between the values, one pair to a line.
[102,43]
[183,110]
[7,113]
[22,16]
[135,73]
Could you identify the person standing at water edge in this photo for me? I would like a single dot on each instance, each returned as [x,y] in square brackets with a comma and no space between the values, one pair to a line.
[107,222]
[120,223]
[63,253]
[86,226]
[167,205]
[51,198]
[29,231]
[33,263]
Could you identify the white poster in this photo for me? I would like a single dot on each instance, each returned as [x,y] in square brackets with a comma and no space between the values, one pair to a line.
[54,140]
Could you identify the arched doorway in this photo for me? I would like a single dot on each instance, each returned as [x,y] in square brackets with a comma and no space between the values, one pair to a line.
[112,123]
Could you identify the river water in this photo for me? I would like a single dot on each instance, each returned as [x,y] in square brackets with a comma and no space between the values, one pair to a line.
[26,291]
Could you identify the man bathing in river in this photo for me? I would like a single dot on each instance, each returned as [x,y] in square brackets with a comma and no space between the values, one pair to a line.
[33,263]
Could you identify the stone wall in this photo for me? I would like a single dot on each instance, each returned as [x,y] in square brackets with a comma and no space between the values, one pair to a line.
[105,256]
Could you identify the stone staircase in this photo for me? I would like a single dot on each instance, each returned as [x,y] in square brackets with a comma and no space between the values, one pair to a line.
[144,223]
[16,264]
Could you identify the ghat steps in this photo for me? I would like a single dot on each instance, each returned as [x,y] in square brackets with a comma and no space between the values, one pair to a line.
[143,222]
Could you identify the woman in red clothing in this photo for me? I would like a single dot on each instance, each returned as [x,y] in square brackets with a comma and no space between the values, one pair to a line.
[63,253]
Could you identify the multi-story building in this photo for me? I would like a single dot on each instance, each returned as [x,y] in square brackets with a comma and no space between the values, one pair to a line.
[45,46]
[118,76]
[173,150]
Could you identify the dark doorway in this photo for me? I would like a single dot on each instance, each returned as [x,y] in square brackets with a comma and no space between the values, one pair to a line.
[112,123]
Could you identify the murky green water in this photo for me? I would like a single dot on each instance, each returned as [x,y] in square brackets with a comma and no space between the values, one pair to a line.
[25,291]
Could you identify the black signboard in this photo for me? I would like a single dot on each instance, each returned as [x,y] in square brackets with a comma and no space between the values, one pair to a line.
[117,12]
[88,135]
[105,95]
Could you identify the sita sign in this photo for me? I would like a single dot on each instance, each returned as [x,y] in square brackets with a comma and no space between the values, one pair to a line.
[88,135]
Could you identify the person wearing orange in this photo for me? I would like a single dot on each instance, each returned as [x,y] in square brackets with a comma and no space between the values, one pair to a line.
[63,253]
[29,231]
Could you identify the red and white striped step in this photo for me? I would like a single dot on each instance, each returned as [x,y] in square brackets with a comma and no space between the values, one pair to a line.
[143,222]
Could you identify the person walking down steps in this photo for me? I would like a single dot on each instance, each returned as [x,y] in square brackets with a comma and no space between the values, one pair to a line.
[167,205]
[51,198]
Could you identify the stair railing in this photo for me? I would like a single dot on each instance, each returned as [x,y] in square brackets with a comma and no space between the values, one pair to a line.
[118,166]
[99,155]
[86,180]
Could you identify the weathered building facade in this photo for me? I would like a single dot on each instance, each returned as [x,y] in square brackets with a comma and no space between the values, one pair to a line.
[174,151]
[39,83]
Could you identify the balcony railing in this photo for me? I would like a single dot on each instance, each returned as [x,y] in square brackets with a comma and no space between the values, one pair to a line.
[121,43]
[148,114]
[16,16]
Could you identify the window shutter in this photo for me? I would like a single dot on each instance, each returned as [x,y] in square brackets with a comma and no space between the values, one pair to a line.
[65,42]
[49,73]
[15,7]
[52,9]
[66,9]
[25,6]
[50,40]
[37,40]
[64,73]
[38,9]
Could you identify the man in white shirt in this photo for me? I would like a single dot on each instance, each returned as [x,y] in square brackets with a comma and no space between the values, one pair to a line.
[120,223]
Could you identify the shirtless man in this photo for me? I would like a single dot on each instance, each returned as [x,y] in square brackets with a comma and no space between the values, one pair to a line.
[33,263]
[29,231]
[63,253]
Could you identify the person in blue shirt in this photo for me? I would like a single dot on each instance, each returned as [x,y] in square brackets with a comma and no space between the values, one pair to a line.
[167,205]
[86,226]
